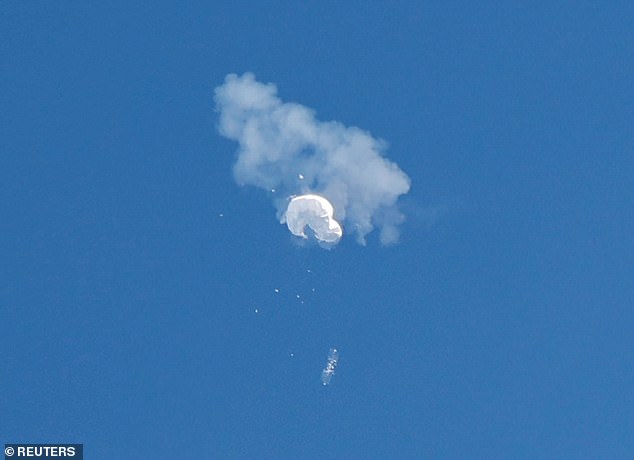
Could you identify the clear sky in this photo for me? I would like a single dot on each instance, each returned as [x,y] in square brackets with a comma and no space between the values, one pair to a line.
[501,324]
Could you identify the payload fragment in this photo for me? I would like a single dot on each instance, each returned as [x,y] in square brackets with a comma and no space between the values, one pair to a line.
[315,212]
[331,365]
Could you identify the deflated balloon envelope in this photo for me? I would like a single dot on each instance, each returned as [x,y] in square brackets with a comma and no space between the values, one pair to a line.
[317,213]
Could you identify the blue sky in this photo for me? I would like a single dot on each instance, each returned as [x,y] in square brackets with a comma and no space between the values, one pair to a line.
[500,326]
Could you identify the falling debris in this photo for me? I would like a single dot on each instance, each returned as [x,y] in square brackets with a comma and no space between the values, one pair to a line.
[277,290]
[331,365]
[300,176]
[256,310]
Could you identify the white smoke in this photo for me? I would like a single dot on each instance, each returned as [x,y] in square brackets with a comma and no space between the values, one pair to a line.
[283,148]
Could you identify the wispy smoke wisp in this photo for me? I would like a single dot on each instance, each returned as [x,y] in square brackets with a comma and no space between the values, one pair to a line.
[283,148]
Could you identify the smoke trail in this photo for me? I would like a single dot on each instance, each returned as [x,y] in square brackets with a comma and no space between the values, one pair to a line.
[283,148]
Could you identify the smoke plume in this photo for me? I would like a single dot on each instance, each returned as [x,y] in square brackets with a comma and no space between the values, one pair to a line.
[285,150]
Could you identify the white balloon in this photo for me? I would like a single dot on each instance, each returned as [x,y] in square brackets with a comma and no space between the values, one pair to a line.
[315,212]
